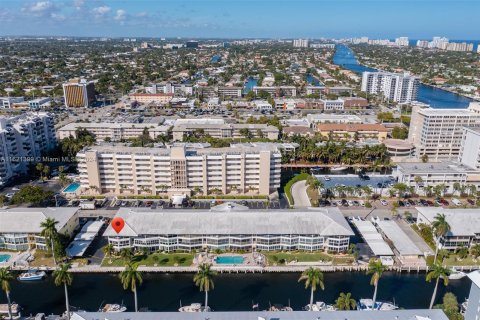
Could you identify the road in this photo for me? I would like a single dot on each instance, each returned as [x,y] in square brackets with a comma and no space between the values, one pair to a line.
[299,195]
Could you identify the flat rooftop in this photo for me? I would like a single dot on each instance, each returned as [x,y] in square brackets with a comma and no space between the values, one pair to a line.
[373,238]
[463,222]
[231,218]
[401,241]
[420,314]
[433,167]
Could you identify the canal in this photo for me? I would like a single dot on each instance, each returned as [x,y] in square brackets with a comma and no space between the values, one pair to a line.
[232,292]
[437,98]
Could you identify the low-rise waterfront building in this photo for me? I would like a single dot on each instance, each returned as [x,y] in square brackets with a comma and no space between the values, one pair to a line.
[352,132]
[464,226]
[20,227]
[230,92]
[235,131]
[314,118]
[113,131]
[232,227]
[180,169]
[279,91]
[157,98]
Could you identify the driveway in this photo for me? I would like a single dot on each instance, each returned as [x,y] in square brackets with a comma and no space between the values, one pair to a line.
[299,195]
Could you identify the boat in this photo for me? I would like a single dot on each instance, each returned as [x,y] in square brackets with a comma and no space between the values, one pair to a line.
[113,307]
[279,307]
[463,307]
[194,307]
[319,306]
[338,168]
[367,304]
[32,275]
[15,308]
[456,275]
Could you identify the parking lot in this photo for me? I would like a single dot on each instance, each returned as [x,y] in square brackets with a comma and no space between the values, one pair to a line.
[374,181]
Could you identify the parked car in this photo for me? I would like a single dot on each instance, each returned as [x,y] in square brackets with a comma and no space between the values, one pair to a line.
[456,202]
[470,201]
[384,202]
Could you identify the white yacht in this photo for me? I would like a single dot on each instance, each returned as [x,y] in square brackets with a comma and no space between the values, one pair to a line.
[113,307]
[456,275]
[32,275]
[320,306]
[367,304]
[194,307]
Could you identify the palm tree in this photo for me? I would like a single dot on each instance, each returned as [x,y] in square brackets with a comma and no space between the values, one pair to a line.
[63,276]
[108,250]
[440,228]
[437,271]
[5,277]
[204,280]
[376,268]
[49,231]
[345,302]
[129,277]
[313,277]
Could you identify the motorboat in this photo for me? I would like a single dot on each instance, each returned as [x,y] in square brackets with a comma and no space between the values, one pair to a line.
[32,275]
[194,307]
[463,307]
[113,307]
[279,307]
[338,168]
[456,275]
[15,309]
[367,304]
[319,306]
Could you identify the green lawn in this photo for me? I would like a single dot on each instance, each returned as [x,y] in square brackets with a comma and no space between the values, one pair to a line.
[300,256]
[154,259]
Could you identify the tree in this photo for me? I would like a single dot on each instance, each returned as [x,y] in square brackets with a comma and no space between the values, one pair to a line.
[440,229]
[6,277]
[437,271]
[376,269]
[245,132]
[50,233]
[475,251]
[126,254]
[108,250]
[204,280]
[33,195]
[129,278]
[424,158]
[345,302]
[462,252]
[63,276]
[313,277]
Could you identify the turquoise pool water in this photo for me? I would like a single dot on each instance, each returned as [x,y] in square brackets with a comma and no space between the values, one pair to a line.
[72,187]
[229,260]
[4,257]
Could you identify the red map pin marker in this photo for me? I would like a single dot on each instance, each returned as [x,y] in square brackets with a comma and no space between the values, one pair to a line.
[118,224]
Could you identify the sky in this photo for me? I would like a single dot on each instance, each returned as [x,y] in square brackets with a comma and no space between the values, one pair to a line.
[417,19]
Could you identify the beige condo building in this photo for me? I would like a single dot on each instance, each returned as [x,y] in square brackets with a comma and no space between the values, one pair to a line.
[180,169]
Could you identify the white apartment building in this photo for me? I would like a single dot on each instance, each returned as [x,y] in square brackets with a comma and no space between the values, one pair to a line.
[438,132]
[39,103]
[113,131]
[180,169]
[332,118]
[470,147]
[333,105]
[177,89]
[8,102]
[300,43]
[20,227]
[279,91]
[402,41]
[232,226]
[234,131]
[395,87]
[157,98]
[23,139]
[230,92]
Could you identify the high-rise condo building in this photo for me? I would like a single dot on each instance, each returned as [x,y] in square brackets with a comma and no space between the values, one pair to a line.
[438,132]
[180,169]
[396,87]
[78,93]
[300,43]
[402,41]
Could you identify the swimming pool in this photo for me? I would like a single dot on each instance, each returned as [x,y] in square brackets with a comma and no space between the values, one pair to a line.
[229,260]
[72,187]
[4,257]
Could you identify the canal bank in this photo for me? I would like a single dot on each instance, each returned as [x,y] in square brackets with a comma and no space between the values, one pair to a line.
[435,97]
[232,292]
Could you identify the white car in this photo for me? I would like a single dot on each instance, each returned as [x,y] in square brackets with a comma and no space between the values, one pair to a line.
[384,202]
[456,202]
[362,203]
[350,203]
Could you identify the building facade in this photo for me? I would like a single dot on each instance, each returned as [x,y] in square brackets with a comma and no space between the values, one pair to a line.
[113,131]
[23,139]
[278,91]
[20,227]
[232,227]
[233,131]
[395,87]
[78,93]
[352,132]
[438,133]
[157,98]
[180,169]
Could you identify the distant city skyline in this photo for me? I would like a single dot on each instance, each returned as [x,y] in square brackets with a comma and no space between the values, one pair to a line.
[421,19]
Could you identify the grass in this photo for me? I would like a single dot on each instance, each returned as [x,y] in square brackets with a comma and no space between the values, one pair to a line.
[152,260]
[300,256]
[42,258]
[452,260]
[313,196]
[288,186]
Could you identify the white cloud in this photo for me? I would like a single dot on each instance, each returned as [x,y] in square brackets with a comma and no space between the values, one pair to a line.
[99,12]
[78,4]
[121,15]
[39,8]
[57,16]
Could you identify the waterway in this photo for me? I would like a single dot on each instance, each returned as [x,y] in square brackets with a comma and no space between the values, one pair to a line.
[437,98]
[251,82]
[233,292]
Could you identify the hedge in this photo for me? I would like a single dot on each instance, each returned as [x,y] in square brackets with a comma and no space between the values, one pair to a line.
[288,186]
